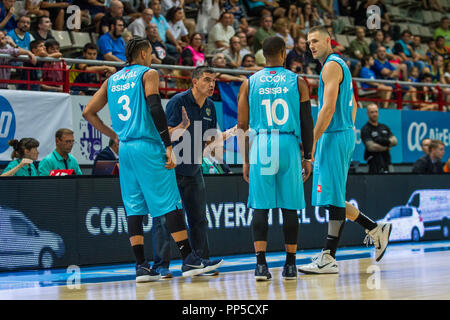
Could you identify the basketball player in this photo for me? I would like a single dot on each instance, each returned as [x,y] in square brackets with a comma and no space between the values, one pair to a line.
[275,103]
[147,178]
[334,142]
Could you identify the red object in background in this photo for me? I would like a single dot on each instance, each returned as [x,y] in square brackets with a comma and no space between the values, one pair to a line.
[115,171]
[60,173]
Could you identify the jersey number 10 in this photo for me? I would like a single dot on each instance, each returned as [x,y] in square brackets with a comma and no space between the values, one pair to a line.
[271,111]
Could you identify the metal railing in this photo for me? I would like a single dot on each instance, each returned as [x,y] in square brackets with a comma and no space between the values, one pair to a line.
[359,91]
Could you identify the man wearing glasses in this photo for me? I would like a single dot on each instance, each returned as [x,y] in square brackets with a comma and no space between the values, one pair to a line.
[137,27]
[60,158]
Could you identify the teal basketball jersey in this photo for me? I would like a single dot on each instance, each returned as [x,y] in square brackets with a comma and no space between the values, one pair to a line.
[130,116]
[274,101]
[342,117]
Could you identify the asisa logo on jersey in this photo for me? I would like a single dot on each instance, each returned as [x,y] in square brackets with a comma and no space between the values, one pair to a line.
[273,72]
[124,76]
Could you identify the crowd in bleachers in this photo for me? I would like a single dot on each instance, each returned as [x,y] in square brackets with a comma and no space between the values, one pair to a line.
[411,44]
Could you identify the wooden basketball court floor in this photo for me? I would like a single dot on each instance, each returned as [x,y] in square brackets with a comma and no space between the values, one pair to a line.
[407,271]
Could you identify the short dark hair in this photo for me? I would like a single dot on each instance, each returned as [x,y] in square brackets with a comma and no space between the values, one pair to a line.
[248,55]
[90,46]
[42,18]
[365,60]
[60,132]
[35,43]
[406,32]
[320,29]
[434,144]
[172,12]
[272,46]
[51,43]
[135,46]
[199,71]
[439,38]
[113,21]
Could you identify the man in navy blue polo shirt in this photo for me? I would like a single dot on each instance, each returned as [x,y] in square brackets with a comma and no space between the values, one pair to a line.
[190,115]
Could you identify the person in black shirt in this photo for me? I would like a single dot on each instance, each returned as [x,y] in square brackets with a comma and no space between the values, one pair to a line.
[378,140]
[431,162]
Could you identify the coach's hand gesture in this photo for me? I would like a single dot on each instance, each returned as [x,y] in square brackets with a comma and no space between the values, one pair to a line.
[171,160]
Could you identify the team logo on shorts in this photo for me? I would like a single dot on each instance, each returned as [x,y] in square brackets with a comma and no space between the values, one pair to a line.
[319,188]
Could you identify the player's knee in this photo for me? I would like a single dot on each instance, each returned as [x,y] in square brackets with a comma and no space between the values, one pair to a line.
[135,227]
[336,213]
[260,225]
[175,221]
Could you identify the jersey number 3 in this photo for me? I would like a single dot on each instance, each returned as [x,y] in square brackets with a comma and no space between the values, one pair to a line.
[126,107]
[271,111]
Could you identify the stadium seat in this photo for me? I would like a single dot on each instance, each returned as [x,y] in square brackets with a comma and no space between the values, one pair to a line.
[428,18]
[342,39]
[80,39]
[63,37]
[94,37]
[425,32]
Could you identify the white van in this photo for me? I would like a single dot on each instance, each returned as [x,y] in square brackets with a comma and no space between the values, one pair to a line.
[23,245]
[407,224]
[434,207]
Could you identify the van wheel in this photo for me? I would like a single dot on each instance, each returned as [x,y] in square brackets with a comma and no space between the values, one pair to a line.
[415,235]
[47,258]
[444,229]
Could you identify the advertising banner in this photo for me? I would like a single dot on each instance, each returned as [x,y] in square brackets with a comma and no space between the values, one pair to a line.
[55,222]
[32,114]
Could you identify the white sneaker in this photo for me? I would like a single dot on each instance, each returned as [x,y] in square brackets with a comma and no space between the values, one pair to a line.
[322,263]
[380,238]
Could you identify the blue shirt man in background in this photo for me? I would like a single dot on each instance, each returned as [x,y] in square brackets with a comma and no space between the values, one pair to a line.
[111,45]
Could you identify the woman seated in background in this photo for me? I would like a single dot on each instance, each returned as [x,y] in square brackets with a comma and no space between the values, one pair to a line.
[194,50]
[24,153]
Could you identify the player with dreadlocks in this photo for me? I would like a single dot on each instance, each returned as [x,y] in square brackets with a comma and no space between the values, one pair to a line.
[147,175]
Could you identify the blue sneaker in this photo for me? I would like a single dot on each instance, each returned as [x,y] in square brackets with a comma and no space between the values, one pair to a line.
[289,272]
[262,273]
[194,265]
[164,272]
[145,274]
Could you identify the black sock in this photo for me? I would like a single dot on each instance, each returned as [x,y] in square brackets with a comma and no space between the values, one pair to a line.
[184,247]
[290,258]
[139,253]
[261,257]
[332,244]
[365,221]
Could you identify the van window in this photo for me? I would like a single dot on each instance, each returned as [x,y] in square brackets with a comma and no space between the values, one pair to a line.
[406,212]
[415,202]
[394,213]
[21,227]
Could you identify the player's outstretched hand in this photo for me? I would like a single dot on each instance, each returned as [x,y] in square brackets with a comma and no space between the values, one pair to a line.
[246,171]
[171,162]
[306,165]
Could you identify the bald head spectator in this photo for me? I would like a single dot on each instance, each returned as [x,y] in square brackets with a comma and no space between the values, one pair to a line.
[426,145]
[431,162]
[115,10]
[138,26]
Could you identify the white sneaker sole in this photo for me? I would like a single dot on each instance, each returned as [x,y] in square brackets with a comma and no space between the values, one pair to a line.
[318,271]
[147,278]
[262,278]
[195,272]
